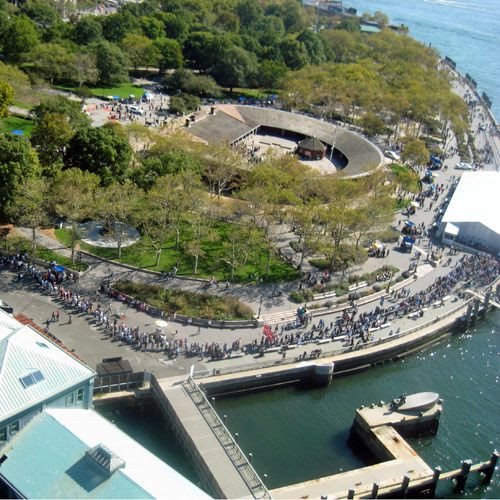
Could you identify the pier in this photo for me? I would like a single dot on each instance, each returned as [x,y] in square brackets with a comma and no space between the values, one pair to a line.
[220,463]
[380,428]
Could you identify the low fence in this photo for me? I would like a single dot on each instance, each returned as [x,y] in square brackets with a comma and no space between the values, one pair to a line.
[179,318]
[226,440]
[335,352]
[121,382]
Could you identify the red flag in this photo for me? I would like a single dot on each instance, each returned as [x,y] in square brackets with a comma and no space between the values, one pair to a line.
[268,332]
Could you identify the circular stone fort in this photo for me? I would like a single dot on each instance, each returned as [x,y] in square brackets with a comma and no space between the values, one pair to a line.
[256,131]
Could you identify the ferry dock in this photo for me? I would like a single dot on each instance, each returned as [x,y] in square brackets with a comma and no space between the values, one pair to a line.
[222,466]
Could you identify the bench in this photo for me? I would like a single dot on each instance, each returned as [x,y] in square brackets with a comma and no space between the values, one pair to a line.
[340,337]
[385,325]
[273,349]
[236,355]
[357,286]
[326,295]
[323,341]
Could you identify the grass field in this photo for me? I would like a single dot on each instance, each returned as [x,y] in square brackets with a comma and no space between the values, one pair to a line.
[122,90]
[11,123]
[142,254]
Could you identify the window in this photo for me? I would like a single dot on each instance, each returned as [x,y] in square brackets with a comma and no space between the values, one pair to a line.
[14,428]
[3,434]
[79,394]
[69,400]
[32,378]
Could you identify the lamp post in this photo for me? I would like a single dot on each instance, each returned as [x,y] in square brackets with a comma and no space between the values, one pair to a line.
[260,306]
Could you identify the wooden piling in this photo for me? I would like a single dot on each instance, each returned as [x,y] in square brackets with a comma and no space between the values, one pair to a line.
[374,493]
[461,479]
[435,479]
[404,486]
[488,473]
[350,494]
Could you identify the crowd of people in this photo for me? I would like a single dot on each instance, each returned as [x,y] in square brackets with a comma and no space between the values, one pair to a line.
[354,327]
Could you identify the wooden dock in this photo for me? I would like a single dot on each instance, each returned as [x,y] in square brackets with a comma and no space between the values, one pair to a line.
[401,471]
[220,463]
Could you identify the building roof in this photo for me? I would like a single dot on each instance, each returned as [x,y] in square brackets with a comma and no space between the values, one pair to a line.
[476,199]
[312,144]
[32,368]
[225,127]
[73,453]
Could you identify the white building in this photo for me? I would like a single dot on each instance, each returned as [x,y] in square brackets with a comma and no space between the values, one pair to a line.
[76,453]
[473,215]
[36,374]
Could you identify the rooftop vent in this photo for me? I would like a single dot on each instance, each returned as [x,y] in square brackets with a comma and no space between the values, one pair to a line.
[105,458]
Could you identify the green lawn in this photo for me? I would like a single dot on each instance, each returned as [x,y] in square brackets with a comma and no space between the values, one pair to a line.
[122,90]
[11,123]
[141,254]
[20,244]
[250,93]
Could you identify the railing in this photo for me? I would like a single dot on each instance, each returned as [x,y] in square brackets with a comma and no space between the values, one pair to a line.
[343,350]
[234,452]
[116,383]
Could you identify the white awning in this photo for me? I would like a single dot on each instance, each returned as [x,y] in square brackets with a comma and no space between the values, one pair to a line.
[451,229]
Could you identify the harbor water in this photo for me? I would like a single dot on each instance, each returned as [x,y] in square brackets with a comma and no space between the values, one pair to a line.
[468,31]
[297,434]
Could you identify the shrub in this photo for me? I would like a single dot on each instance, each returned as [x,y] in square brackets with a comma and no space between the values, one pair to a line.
[296,297]
[329,303]
[196,305]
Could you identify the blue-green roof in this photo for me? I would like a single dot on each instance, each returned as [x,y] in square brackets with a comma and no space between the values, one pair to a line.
[46,460]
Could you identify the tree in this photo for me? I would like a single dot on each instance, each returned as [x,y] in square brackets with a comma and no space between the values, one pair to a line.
[294,53]
[372,124]
[72,197]
[271,74]
[6,98]
[234,67]
[51,61]
[20,38]
[220,167]
[51,137]
[115,205]
[139,49]
[237,245]
[112,64]
[314,46]
[87,30]
[18,162]
[415,152]
[306,219]
[249,12]
[191,83]
[199,51]
[183,103]
[201,230]
[29,206]
[104,151]
[169,53]
[43,14]
[83,69]
[59,105]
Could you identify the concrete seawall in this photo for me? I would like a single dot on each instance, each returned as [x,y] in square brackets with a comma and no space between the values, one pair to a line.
[345,363]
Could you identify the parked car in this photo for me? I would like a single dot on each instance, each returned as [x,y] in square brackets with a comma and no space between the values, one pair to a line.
[463,166]
[392,155]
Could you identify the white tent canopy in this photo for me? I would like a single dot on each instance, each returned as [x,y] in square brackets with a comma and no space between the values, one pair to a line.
[451,229]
